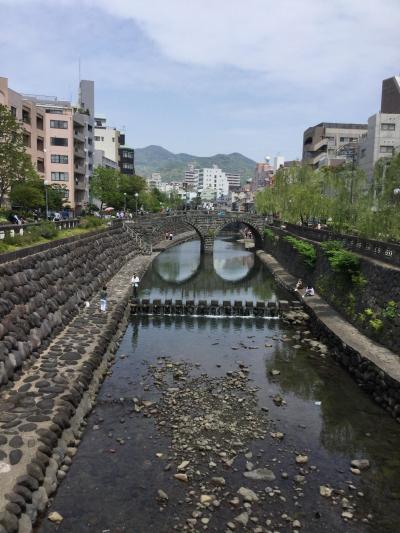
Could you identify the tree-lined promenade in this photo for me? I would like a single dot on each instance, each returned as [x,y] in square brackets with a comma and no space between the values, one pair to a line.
[340,197]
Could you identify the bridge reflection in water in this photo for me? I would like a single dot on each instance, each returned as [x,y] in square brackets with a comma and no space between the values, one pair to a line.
[231,272]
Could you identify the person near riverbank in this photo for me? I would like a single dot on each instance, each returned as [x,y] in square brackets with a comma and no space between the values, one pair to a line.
[135,284]
[309,291]
[170,236]
[299,285]
[103,299]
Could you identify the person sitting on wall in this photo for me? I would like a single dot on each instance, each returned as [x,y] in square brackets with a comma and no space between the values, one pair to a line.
[309,291]
[299,285]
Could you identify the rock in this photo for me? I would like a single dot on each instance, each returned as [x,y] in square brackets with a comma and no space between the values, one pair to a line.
[242,519]
[278,400]
[296,524]
[181,477]
[260,474]
[360,464]
[218,481]
[301,459]
[183,465]
[277,435]
[347,514]
[275,372]
[325,491]
[162,495]
[248,495]
[55,517]
[206,499]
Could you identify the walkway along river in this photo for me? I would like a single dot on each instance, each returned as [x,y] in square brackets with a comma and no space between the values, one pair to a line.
[228,424]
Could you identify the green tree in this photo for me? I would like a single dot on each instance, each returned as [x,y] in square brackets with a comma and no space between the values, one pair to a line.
[104,186]
[15,164]
[27,195]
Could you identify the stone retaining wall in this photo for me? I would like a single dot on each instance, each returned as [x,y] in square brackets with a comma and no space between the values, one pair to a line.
[41,292]
[381,285]
[375,368]
[42,415]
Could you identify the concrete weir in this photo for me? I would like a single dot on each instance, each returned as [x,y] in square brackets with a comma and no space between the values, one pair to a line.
[42,410]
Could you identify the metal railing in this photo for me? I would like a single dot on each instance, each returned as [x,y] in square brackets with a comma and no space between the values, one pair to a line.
[14,230]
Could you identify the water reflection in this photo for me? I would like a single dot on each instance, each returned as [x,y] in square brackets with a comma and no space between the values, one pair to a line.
[230,273]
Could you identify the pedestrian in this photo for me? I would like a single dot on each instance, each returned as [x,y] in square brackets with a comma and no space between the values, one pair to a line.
[103,299]
[167,236]
[299,285]
[170,236]
[309,291]
[135,284]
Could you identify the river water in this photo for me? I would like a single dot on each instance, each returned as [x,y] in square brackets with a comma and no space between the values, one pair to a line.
[296,402]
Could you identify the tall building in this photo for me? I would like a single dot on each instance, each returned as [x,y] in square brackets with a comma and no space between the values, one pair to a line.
[263,175]
[390,100]
[279,161]
[155,181]
[191,179]
[324,144]
[234,180]
[59,139]
[126,159]
[107,139]
[33,121]
[213,183]
[382,139]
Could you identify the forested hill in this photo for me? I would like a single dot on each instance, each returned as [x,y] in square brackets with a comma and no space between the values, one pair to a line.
[172,166]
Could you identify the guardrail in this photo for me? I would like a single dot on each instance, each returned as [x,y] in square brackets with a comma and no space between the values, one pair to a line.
[12,230]
[384,251]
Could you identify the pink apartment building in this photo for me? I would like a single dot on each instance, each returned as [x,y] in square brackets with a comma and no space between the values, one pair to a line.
[59,139]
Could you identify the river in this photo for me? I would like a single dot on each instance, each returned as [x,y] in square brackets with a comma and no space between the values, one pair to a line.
[227,396]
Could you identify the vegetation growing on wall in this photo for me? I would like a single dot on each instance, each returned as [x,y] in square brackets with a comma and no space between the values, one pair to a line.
[306,250]
[269,233]
[341,260]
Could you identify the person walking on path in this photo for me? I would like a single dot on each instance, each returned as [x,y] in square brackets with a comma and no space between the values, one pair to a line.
[135,284]
[103,299]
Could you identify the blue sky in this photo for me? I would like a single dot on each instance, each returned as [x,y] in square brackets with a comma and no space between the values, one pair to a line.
[208,76]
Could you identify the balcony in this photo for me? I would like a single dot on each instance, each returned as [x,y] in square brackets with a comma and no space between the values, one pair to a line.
[80,184]
[79,135]
[79,153]
[80,167]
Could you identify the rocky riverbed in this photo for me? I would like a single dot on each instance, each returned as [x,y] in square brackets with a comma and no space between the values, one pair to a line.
[180,443]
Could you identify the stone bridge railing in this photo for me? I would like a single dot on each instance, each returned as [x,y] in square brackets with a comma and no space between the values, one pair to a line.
[384,251]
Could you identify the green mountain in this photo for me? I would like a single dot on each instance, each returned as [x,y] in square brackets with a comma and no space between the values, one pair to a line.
[172,166]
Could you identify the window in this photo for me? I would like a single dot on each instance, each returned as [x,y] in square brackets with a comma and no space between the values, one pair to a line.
[40,165]
[27,140]
[58,141]
[40,144]
[386,149]
[90,141]
[388,127]
[39,122]
[55,111]
[58,158]
[363,152]
[89,127]
[59,176]
[26,116]
[59,124]
[64,192]
[13,111]
[96,138]
[128,166]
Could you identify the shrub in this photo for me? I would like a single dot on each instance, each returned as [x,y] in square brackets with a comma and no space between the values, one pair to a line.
[90,222]
[47,230]
[376,324]
[305,249]
[390,311]
[343,261]
[269,233]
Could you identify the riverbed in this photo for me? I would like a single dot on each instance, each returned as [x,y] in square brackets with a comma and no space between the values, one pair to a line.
[235,399]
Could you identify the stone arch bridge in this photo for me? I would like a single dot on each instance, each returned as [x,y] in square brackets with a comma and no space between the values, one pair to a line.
[206,225]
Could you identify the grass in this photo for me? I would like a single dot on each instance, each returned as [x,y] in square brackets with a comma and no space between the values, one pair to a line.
[34,238]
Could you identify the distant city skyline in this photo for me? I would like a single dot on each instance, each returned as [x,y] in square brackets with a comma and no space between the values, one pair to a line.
[207,77]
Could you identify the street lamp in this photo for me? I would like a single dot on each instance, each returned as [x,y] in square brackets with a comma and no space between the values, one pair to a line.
[124,204]
[136,198]
[46,183]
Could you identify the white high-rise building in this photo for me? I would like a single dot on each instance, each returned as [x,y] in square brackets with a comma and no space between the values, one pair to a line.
[279,161]
[155,181]
[106,138]
[213,179]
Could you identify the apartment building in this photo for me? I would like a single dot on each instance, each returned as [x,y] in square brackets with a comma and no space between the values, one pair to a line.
[100,160]
[263,175]
[58,138]
[191,179]
[126,159]
[331,143]
[33,121]
[213,183]
[234,180]
[107,138]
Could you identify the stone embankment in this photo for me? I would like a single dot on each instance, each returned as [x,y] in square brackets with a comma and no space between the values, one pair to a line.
[64,348]
[375,368]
